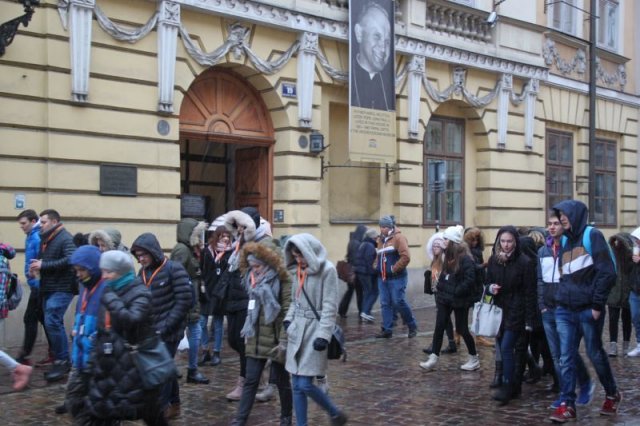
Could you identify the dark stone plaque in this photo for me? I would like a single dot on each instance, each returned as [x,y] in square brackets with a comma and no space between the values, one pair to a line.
[193,205]
[118,180]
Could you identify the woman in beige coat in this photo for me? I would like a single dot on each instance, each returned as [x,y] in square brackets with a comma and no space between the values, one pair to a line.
[315,286]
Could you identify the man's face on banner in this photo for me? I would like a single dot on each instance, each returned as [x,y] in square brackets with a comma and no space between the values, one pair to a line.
[373,34]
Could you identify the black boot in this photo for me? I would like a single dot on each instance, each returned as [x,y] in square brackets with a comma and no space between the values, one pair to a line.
[58,370]
[534,374]
[206,357]
[215,360]
[504,393]
[451,349]
[497,378]
[194,376]
[428,350]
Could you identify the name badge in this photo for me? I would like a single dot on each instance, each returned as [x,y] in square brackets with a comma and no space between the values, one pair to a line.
[81,331]
[252,304]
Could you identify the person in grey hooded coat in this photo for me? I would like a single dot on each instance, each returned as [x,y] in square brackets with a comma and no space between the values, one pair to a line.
[315,286]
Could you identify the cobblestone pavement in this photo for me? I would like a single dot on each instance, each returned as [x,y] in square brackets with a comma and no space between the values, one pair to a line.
[380,384]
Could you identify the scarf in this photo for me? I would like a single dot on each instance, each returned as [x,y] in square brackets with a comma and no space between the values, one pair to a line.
[122,281]
[503,257]
[263,293]
[220,250]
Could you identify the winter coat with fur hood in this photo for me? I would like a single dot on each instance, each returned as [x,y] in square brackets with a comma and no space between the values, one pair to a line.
[171,295]
[321,286]
[622,247]
[110,236]
[268,336]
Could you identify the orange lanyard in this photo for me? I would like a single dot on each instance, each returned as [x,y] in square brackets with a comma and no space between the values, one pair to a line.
[107,320]
[302,276]
[53,234]
[86,297]
[144,276]
[253,279]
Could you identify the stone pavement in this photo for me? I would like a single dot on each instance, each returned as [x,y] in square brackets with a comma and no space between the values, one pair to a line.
[380,384]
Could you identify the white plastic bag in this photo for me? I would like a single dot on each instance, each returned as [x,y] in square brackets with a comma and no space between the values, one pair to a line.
[184,343]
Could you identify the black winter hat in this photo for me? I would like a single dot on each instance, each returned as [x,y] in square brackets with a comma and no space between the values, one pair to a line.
[254,213]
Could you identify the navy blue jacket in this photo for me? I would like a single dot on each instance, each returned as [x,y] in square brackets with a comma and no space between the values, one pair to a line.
[586,278]
[365,257]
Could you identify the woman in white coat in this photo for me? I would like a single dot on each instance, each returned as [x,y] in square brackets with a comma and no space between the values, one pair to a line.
[315,286]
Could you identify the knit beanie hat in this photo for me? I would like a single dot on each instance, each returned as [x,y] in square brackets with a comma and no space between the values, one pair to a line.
[454,233]
[388,221]
[371,233]
[116,261]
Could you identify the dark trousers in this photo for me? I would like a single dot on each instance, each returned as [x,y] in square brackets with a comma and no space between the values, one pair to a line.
[614,316]
[33,315]
[235,322]
[255,366]
[443,316]
[170,393]
[346,299]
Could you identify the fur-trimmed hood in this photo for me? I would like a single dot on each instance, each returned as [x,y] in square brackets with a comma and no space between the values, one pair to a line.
[110,236]
[268,255]
[190,232]
[311,248]
[236,218]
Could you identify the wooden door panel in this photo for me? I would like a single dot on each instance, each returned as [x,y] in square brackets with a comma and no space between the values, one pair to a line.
[252,179]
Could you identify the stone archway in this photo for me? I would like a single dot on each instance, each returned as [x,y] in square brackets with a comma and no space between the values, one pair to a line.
[226,144]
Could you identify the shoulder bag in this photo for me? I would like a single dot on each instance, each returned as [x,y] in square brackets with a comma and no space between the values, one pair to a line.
[345,272]
[336,348]
[486,318]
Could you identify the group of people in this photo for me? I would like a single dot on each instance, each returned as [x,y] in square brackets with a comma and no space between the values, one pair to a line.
[553,286]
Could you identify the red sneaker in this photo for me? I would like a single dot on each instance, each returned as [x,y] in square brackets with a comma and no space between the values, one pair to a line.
[563,414]
[611,404]
[47,360]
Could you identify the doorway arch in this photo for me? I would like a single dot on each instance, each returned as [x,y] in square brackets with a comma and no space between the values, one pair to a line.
[226,146]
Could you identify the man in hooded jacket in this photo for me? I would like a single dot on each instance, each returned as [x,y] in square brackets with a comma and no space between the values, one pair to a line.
[587,278]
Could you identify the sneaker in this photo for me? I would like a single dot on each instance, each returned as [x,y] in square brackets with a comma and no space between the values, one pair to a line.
[323,384]
[563,414]
[58,371]
[555,404]
[430,364]
[634,352]
[384,335]
[339,419]
[613,349]
[267,394]
[367,317]
[611,405]
[586,393]
[473,363]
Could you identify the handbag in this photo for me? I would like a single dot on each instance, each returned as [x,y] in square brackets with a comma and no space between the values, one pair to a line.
[427,282]
[486,318]
[336,348]
[153,361]
[345,272]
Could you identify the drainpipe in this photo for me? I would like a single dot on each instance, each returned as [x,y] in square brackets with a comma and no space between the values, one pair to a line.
[592,102]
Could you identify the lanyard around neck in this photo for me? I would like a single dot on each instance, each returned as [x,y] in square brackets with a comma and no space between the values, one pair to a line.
[144,276]
[302,276]
[85,298]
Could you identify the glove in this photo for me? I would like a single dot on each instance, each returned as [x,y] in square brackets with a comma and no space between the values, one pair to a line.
[320,344]
[286,324]
[279,353]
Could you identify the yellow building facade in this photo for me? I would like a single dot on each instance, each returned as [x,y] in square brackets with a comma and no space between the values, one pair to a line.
[219,103]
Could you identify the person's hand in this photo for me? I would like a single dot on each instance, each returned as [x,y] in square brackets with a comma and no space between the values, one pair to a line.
[635,258]
[286,325]
[320,344]
[494,289]
[279,352]
[596,314]
[35,265]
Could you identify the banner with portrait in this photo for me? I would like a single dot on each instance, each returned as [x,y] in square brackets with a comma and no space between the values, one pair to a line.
[372,89]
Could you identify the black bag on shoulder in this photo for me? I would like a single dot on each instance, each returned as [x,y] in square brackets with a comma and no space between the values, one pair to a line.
[427,282]
[336,348]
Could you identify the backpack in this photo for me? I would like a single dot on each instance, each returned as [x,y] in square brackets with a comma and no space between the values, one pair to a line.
[13,290]
[586,243]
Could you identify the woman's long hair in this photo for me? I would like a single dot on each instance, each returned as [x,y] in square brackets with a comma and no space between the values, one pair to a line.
[622,247]
[473,233]
[452,255]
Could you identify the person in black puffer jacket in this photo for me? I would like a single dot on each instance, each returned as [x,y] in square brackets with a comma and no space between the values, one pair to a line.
[115,388]
[366,275]
[171,300]
[512,281]
[455,293]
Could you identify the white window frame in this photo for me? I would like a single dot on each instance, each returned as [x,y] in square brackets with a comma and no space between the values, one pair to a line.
[604,21]
[566,10]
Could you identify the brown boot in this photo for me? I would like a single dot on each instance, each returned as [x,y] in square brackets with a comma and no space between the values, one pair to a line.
[236,393]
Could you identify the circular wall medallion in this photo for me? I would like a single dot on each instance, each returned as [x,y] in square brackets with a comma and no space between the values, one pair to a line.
[303,141]
[163,127]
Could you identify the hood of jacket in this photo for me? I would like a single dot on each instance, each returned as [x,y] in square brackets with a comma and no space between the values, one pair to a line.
[184,229]
[236,218]
[268,255]
[513,231]
[149,243]
[88,257]
[636,233]
[577,213]
[311,248]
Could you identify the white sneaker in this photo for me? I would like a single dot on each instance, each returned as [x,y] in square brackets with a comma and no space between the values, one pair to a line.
[635,352]
[473,363]
[613,349]
[430,364]
[367,318]
[323,384]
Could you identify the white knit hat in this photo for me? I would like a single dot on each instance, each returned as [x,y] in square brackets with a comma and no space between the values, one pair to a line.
[454,233]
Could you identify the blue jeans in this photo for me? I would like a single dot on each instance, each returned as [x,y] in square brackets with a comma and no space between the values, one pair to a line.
[370,290]
[170,391]
[549,323]
[55,306]
[507,345]
[194,333]
[569,325]
[392,298]
[215,334]
[303,387]
[634,303]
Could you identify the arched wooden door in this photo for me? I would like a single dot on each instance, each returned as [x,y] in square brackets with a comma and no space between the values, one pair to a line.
[226,139]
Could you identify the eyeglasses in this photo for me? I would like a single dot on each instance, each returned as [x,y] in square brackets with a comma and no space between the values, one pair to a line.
[142,254]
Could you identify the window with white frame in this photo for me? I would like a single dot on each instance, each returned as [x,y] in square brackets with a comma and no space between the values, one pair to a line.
[608,24]
[562,15]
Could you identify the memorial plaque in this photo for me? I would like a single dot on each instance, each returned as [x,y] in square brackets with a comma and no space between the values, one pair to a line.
[193,205]
[118,180]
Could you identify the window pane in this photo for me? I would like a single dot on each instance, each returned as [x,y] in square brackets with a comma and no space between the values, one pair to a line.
[434,136]
[454,175]
[611,157]
[454,138]
[430,205]
[599,185]
[454,207]
[566,151]
[599,155]
[552,154]
[610,186]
